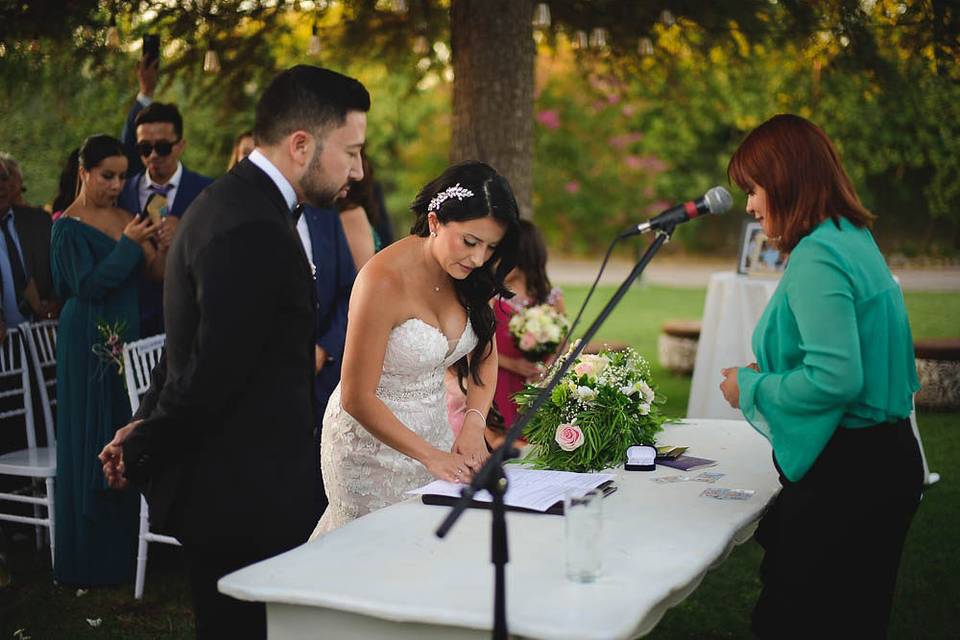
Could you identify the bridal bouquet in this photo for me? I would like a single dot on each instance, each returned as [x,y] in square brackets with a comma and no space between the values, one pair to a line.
[538,330]
[604,404]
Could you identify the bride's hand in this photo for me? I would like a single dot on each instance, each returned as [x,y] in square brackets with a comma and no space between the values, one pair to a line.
[471,444]
[451,467]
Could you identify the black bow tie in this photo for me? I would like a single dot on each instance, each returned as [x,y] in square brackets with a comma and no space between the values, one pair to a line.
[297,212]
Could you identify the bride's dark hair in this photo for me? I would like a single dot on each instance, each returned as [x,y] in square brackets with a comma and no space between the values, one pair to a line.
[492,197]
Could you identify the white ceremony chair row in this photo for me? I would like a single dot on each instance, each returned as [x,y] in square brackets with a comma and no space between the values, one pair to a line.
[139,359]
[39,464]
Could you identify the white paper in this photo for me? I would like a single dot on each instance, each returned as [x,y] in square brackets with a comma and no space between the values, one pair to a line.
[527,488]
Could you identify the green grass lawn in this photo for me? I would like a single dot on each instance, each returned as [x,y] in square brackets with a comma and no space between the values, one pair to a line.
[929,578]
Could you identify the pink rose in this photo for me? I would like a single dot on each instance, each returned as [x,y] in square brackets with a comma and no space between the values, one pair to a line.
[528,341]
[569,437]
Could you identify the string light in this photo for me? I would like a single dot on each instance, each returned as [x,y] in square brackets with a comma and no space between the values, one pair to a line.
[211,62]
[645,47]
[598,38]
[313,47]
[113,35]
[541,16]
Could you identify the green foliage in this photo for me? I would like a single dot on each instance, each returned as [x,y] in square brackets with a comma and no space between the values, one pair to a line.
[618,136]
[591,403]
[619,139]
[61,97]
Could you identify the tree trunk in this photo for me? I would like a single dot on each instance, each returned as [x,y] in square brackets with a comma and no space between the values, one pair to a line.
[493,59]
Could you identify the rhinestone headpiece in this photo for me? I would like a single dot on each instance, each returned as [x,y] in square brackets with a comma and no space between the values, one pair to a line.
[456,191]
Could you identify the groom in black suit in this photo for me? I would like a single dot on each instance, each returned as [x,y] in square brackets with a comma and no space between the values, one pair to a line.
[222,445]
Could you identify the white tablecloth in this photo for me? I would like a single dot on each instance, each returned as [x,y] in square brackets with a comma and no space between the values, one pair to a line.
[387,575]
[733,306]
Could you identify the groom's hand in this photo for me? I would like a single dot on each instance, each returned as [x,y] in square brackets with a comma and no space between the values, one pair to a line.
[320,356]
[112,457]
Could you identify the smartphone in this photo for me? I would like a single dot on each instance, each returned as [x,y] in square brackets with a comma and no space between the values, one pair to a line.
[151,47]
[156,207]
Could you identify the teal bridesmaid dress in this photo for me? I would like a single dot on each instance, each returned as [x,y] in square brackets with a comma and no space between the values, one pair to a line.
[97,278]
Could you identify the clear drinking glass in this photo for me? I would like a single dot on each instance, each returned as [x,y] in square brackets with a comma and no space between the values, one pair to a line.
[582,524]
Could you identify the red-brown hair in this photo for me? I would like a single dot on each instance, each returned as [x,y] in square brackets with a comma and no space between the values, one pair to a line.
[799,168]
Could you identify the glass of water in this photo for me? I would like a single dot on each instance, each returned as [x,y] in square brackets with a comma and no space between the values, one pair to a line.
[582,524]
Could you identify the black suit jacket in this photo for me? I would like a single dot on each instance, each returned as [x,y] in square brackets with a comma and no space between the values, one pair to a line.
[33,230]
[225,453]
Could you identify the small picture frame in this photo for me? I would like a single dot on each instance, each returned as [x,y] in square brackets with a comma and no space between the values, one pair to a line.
[758,255]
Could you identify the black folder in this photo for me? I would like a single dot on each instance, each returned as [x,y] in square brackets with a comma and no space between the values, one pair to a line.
[555,509]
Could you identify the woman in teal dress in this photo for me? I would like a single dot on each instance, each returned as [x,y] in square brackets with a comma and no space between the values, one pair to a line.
[831,389]
[97,252]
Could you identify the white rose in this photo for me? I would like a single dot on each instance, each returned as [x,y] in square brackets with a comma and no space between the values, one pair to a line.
[585,394]
[647,392]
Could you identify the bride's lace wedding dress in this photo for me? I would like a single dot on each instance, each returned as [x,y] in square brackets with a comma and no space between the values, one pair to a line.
[362,474]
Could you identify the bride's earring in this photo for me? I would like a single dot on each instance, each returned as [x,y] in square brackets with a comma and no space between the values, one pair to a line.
[433,234]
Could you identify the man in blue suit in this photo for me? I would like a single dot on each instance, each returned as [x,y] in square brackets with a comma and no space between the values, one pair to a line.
[324,241]
[154,131]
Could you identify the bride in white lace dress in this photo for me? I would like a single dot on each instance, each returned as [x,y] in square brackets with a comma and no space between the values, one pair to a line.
[418,307]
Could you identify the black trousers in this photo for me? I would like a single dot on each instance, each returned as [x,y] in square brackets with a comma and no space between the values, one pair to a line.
[833,540]
[217,615]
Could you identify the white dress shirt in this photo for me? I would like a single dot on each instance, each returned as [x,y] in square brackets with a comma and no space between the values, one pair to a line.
[146,182]
[286,189]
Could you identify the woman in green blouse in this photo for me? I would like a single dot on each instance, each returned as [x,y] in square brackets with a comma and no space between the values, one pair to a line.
[831,389]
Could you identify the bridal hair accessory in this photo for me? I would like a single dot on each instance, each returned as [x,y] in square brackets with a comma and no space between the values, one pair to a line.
[456,191]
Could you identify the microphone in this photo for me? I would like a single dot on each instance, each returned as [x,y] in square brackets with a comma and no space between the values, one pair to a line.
[716,200]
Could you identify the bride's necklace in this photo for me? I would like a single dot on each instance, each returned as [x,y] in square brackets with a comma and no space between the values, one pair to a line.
[428,258]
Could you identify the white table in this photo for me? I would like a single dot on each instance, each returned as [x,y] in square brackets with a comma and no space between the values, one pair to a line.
[733,306]
[387,575]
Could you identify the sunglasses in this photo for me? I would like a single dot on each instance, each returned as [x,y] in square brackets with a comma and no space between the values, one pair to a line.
[162,147]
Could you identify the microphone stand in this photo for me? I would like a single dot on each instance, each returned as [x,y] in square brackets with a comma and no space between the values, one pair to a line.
[491,475]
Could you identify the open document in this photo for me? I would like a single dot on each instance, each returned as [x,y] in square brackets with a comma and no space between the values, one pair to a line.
[531,489]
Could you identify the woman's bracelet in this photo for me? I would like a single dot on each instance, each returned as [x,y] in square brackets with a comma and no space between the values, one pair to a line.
[483,418]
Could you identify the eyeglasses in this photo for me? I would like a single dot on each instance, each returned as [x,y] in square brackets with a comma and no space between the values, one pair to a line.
[163,148]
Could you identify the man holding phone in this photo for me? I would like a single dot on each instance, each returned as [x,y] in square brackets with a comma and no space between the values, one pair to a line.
[164,187]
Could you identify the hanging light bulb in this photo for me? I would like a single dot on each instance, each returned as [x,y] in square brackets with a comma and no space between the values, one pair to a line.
[541,16]
[313,47]
[645,47]
[421,46]
[580,40]
[598,38]
[211,62]
[666,17]
[113,35]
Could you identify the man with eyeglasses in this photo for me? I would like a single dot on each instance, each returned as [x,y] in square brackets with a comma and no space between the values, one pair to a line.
[155,131]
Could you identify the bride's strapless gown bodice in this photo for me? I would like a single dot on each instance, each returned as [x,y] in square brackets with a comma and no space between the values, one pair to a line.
[362,474]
